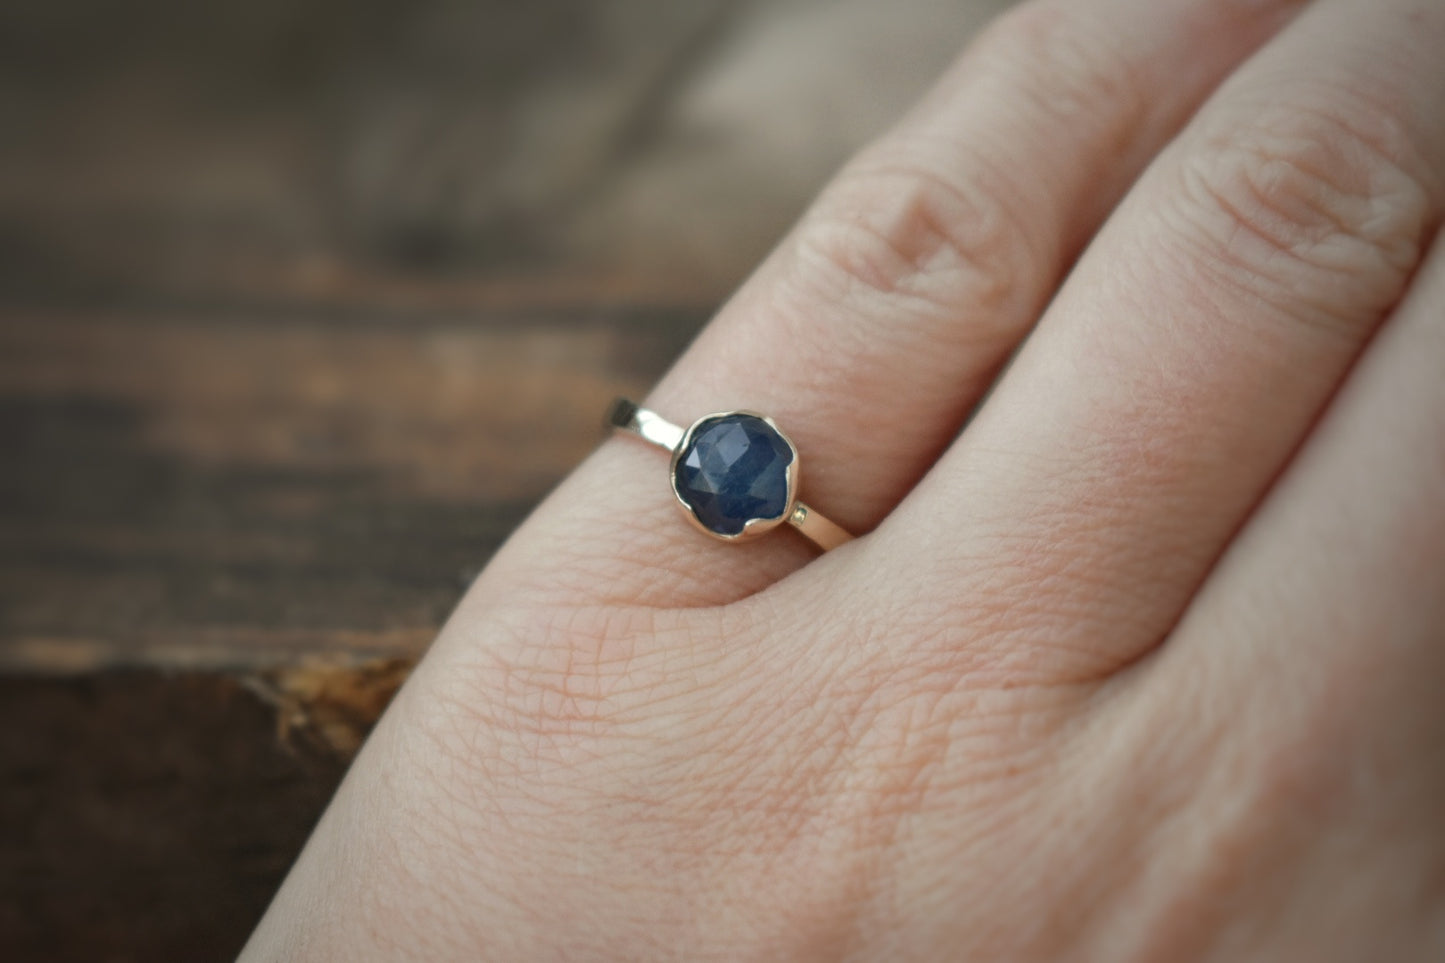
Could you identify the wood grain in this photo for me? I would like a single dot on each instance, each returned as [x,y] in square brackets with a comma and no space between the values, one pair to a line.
[233,491]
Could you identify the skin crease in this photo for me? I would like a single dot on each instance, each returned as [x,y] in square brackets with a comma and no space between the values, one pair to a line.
[1145,665]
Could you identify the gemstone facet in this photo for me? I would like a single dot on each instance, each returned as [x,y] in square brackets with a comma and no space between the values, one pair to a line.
[733,468]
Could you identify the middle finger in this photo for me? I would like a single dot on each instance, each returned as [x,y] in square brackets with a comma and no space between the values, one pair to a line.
[1189,353]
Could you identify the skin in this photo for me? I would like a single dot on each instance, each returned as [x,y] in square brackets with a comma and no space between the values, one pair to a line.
[1144,664]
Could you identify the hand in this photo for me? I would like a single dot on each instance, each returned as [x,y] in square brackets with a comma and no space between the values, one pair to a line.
[1146,664]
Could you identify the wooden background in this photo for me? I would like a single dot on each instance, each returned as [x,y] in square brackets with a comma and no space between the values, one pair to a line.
[303,305]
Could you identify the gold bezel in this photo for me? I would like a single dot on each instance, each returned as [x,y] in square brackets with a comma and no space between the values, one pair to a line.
[753,527]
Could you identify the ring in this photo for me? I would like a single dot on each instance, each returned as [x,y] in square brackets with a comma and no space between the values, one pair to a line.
[734,473]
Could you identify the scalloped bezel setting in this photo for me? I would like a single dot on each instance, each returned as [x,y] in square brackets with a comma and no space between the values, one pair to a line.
[735,474]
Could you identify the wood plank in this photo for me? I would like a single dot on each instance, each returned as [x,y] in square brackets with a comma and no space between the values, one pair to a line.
[238,490]
[147,816]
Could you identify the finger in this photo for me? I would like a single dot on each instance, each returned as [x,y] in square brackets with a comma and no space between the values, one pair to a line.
[1191,349]
[1308,668]
[1341,573]
[876,324]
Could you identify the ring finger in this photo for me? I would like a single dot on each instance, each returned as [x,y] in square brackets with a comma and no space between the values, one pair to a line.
[878,322]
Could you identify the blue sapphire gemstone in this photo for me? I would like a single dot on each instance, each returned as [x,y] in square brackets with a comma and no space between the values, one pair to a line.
[734,468]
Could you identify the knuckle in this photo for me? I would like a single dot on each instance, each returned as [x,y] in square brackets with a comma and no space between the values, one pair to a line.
[1314,199]
[943,227]
[924,218]
[893,229]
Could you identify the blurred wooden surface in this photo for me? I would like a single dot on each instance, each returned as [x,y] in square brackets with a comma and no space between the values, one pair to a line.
[302,307]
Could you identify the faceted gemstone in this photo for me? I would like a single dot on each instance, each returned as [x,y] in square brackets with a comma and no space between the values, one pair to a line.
[735,468]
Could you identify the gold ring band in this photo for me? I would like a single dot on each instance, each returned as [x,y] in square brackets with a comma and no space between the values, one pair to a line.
[734,473]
